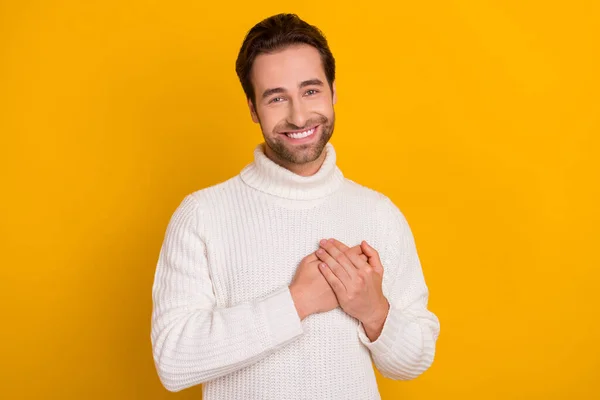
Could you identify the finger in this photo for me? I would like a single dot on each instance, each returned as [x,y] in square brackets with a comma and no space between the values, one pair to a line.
[340,258]
[359,263]
[356,249]
[341,245]
[336,284]
[345,249]
[339,270]
[358,253]
[311,257]
[354,254]
[373,255]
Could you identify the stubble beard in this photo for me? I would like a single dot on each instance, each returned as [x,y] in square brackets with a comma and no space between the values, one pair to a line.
[301,154]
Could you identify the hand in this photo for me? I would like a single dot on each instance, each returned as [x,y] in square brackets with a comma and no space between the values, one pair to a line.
[355,282]
[309,288]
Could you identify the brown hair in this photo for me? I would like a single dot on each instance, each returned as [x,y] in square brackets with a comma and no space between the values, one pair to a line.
[276,33]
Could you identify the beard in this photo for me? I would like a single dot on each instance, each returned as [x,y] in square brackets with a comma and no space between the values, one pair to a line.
[300,154]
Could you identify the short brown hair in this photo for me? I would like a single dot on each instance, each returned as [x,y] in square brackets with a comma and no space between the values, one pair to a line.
[276,33]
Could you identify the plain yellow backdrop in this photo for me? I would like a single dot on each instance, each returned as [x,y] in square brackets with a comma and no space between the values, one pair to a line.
[480,119]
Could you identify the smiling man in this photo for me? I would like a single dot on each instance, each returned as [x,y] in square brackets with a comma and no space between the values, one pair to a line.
[295,132]
[288,281]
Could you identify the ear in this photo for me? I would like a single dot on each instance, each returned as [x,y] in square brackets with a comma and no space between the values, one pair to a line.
[253,112]
[334,93]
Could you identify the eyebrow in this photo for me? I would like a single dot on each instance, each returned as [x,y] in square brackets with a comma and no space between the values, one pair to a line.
[310,82]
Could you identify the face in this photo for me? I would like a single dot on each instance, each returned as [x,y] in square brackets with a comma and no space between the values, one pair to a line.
[294,104]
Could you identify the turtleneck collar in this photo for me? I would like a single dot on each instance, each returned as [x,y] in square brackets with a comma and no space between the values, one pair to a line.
[265,175]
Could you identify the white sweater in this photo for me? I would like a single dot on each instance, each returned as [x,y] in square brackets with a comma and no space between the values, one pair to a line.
[222,311]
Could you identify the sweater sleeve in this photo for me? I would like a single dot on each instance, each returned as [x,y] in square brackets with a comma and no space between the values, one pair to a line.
[406,345]
[193,341]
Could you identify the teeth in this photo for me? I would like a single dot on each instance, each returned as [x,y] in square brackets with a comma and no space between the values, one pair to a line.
[301,135]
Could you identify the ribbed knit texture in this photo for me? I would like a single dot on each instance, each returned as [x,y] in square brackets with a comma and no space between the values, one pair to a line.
[222,311]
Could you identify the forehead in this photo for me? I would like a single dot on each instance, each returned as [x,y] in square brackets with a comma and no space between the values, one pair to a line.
[287,68]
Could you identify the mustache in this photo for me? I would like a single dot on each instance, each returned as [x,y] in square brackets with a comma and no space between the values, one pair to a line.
[286,126]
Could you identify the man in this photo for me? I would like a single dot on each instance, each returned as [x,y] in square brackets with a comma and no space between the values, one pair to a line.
[257,294]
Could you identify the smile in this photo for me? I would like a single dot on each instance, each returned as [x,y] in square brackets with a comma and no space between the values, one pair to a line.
[301,135]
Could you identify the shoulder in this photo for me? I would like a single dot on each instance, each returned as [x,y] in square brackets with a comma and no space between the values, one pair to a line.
[383,203]
[209,198]
[355,189]
[384,206]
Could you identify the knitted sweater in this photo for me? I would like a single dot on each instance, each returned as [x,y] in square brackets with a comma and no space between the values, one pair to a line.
[223,315]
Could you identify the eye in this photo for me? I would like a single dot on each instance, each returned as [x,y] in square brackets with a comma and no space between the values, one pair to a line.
[276,100]
[311,92]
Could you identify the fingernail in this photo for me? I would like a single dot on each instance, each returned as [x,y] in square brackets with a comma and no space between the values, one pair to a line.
[323,242]
[330,240]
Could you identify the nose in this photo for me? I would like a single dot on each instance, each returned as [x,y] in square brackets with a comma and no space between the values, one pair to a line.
[297,115]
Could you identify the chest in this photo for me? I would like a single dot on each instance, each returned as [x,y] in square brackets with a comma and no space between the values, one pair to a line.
[255,252]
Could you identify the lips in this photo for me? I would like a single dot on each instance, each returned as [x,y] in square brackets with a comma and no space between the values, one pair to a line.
[301,134]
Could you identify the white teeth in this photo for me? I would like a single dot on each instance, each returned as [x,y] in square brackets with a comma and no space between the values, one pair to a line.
[301,135]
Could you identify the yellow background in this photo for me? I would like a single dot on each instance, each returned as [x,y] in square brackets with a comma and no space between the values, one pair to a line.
[480,119]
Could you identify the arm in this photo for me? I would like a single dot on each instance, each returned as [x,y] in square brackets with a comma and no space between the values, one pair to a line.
[406,346]
[192,340]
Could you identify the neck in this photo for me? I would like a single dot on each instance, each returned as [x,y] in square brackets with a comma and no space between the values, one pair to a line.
[319,179]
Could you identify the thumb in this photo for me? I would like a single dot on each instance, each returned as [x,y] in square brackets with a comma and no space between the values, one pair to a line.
[368,250]
[373,255]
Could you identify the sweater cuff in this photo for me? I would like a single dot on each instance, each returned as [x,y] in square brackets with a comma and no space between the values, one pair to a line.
[394,324]
[282,322]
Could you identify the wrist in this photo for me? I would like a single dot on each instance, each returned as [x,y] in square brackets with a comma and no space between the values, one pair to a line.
[297,297]
[374,325]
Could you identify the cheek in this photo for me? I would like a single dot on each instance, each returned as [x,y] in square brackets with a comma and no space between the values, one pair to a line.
[271,118]
[324,108]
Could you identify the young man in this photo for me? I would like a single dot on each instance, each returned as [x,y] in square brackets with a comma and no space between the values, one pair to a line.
[257,294]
